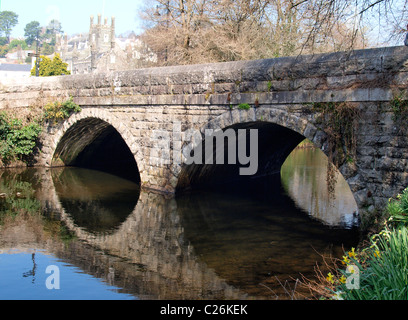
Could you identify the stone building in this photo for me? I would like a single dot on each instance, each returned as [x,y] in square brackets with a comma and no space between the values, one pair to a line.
[101,51]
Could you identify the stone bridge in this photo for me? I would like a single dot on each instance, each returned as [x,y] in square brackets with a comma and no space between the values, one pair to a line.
[147,120]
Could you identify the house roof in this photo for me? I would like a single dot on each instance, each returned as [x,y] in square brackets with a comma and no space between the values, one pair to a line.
[15,67]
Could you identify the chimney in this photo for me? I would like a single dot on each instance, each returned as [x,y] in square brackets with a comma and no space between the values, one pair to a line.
[92,20]
[113,35]
[99,19]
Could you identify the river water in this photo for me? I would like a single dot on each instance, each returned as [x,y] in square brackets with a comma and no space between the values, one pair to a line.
[71,233]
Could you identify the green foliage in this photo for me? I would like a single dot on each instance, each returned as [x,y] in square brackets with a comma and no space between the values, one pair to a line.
[20,198]
[339,120]
[17,141]
[244,106]
[58,111]
[16,43]
[54,67]
[399,106]
[382,266]
[397,210]
[3,51]
[8,20]
[32,32]
[269,86]
[382,269]
[3,41]
[51,31]
[47,49]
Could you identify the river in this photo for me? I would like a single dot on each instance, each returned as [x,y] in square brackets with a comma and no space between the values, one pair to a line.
[102,238]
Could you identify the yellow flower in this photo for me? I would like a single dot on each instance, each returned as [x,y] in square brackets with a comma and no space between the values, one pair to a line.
[350,269]
[330,278]
[346,260]
[377,254]
[343,279]
[352,253]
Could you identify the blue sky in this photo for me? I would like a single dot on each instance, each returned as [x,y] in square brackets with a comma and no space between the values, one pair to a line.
[74,14]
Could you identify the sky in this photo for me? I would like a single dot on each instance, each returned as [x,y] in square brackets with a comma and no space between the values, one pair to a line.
[74,15]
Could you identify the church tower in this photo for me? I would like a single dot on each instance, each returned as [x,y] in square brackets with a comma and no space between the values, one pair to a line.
[102,36]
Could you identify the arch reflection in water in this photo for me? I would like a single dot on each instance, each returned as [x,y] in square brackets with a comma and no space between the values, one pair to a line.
[95,201]
[256,234]
[305,179]
[148,253]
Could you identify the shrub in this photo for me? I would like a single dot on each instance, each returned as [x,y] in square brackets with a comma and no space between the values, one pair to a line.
[51,67]
[59,111]
[397,209]
[17,141]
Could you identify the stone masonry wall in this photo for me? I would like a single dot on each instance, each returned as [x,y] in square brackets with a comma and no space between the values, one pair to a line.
[282,91]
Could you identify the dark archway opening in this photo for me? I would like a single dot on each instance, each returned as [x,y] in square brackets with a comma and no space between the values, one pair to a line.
[95,144]
[309,182]
[109,153]
[274,144]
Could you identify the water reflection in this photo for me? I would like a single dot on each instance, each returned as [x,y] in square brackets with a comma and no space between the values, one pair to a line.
[304,177]
[96,201]
[145,255]
[206,245]
[253,235]
[30,285]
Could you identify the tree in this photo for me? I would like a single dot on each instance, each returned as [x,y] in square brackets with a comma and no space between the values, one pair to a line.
[18,43]
[8,20]
[387,17]
[3,41]
[51,31]
[4,49]
[32,32]
[200,31]
[172,27]
[54,67]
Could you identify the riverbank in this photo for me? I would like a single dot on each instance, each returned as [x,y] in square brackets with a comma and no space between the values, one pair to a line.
[377,269]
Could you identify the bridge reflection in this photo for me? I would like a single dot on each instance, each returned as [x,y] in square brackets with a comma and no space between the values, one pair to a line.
[200,245]
[143,246]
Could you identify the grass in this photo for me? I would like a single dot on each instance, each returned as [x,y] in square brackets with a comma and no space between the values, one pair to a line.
[379,271]
[382,269]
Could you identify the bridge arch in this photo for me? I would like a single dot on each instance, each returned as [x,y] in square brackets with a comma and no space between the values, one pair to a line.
[94,138]
[280,131]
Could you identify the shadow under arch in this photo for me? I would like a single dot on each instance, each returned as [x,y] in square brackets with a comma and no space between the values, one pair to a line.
[274,144]
[91,141]
[279,133]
